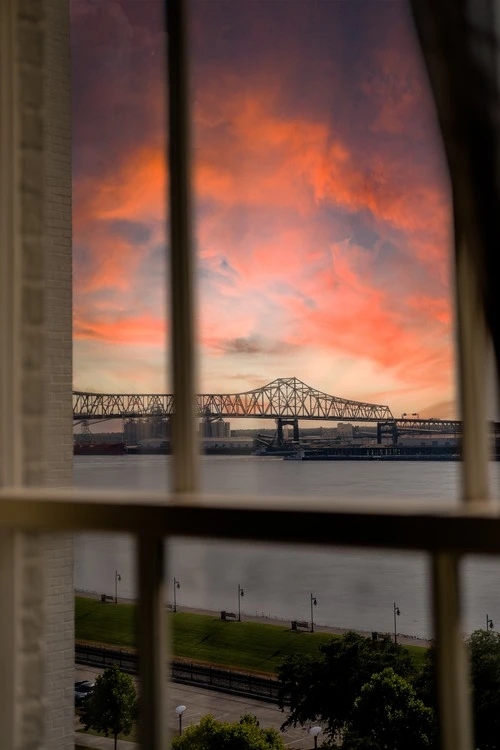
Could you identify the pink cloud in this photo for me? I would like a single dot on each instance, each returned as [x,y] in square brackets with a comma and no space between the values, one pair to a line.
[129,330]
[282,193]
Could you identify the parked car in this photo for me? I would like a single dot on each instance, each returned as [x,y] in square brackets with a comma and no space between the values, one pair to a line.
[83,688]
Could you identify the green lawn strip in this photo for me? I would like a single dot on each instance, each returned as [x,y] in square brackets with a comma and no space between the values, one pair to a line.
[113,624]
[248,646]
[241,645]
[418,653]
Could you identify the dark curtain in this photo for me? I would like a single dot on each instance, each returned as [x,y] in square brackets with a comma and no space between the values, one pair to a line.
[460,42]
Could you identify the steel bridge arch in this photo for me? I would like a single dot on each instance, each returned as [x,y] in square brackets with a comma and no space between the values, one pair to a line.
[283,398]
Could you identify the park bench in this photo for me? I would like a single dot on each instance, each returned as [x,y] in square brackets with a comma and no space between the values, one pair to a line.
[300,625]
[227,615]
[107,598]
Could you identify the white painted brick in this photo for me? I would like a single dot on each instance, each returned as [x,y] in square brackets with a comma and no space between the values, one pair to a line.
[43,567]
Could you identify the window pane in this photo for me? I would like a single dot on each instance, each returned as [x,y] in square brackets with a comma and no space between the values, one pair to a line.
[481,576]
[246,611]
[105,636]
[229,668]
[119,226]
[323,224]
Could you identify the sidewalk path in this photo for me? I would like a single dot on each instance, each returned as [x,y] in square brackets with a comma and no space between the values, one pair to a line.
[103,743]
[199,703]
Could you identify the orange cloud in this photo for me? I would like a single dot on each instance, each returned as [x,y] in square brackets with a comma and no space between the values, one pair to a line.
[323,226]
[127,330]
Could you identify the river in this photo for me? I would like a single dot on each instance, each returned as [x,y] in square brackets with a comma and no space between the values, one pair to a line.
[354,589]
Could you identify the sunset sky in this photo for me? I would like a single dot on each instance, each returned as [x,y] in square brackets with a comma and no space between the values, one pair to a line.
[322,201]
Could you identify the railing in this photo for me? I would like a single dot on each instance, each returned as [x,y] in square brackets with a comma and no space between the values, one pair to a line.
[188,673]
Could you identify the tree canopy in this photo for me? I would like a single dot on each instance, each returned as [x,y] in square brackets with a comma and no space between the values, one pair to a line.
[388,715]
[484,648]
[112,707]
[246,734]
[324,688]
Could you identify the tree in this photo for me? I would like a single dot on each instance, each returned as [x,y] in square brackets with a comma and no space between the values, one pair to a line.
[388,715]
[484,649]
[325,687]
[425,682]
[112,707]
[246,734]
[484,652]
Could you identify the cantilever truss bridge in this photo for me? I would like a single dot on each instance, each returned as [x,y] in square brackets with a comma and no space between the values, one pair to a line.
[283,399]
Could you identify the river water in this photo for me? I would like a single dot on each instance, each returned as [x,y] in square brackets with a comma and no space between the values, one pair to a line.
[354,589]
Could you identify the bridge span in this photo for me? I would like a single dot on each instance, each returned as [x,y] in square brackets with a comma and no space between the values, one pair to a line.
[284,398]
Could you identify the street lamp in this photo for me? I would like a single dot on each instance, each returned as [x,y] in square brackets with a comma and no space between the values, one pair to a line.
[180,710]
[177,585]
[117,578]
[397,612]
[489,623]
[314,602]
[240,594]
[315,731]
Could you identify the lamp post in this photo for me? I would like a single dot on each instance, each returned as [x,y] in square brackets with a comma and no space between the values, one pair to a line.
[397,612]
[179,711]
[240,594]
[177,585]
[117,578]
[489,623]
[315,731]
[314,602]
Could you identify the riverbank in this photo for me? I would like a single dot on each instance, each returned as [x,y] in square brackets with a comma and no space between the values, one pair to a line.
[403,638]
[256,644]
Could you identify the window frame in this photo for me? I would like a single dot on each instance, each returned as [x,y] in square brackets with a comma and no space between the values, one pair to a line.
[445,533]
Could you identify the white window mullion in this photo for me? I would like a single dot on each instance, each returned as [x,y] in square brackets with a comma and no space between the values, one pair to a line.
[152,642]
[453,687]
[472,341]
[185,460]
[10,254]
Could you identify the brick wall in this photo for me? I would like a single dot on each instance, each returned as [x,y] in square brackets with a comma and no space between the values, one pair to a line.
[22,156]
[36,572]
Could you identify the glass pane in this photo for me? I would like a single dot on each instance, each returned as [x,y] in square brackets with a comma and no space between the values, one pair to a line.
[105,637]
[481,577]
[119,229]
[251,620]
[323,224]
[238,612]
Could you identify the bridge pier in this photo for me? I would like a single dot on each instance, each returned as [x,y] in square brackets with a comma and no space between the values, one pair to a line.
[280,423]
[391,428]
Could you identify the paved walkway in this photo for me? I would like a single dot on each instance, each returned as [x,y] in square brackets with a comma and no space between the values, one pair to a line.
[199,702]
[103,743]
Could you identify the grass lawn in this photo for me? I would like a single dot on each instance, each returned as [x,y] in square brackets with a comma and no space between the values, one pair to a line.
[239,645]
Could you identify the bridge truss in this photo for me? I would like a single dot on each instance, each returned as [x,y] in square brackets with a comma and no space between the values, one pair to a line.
[284,398]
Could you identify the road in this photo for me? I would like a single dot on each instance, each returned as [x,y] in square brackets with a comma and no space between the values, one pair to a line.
[199,702]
